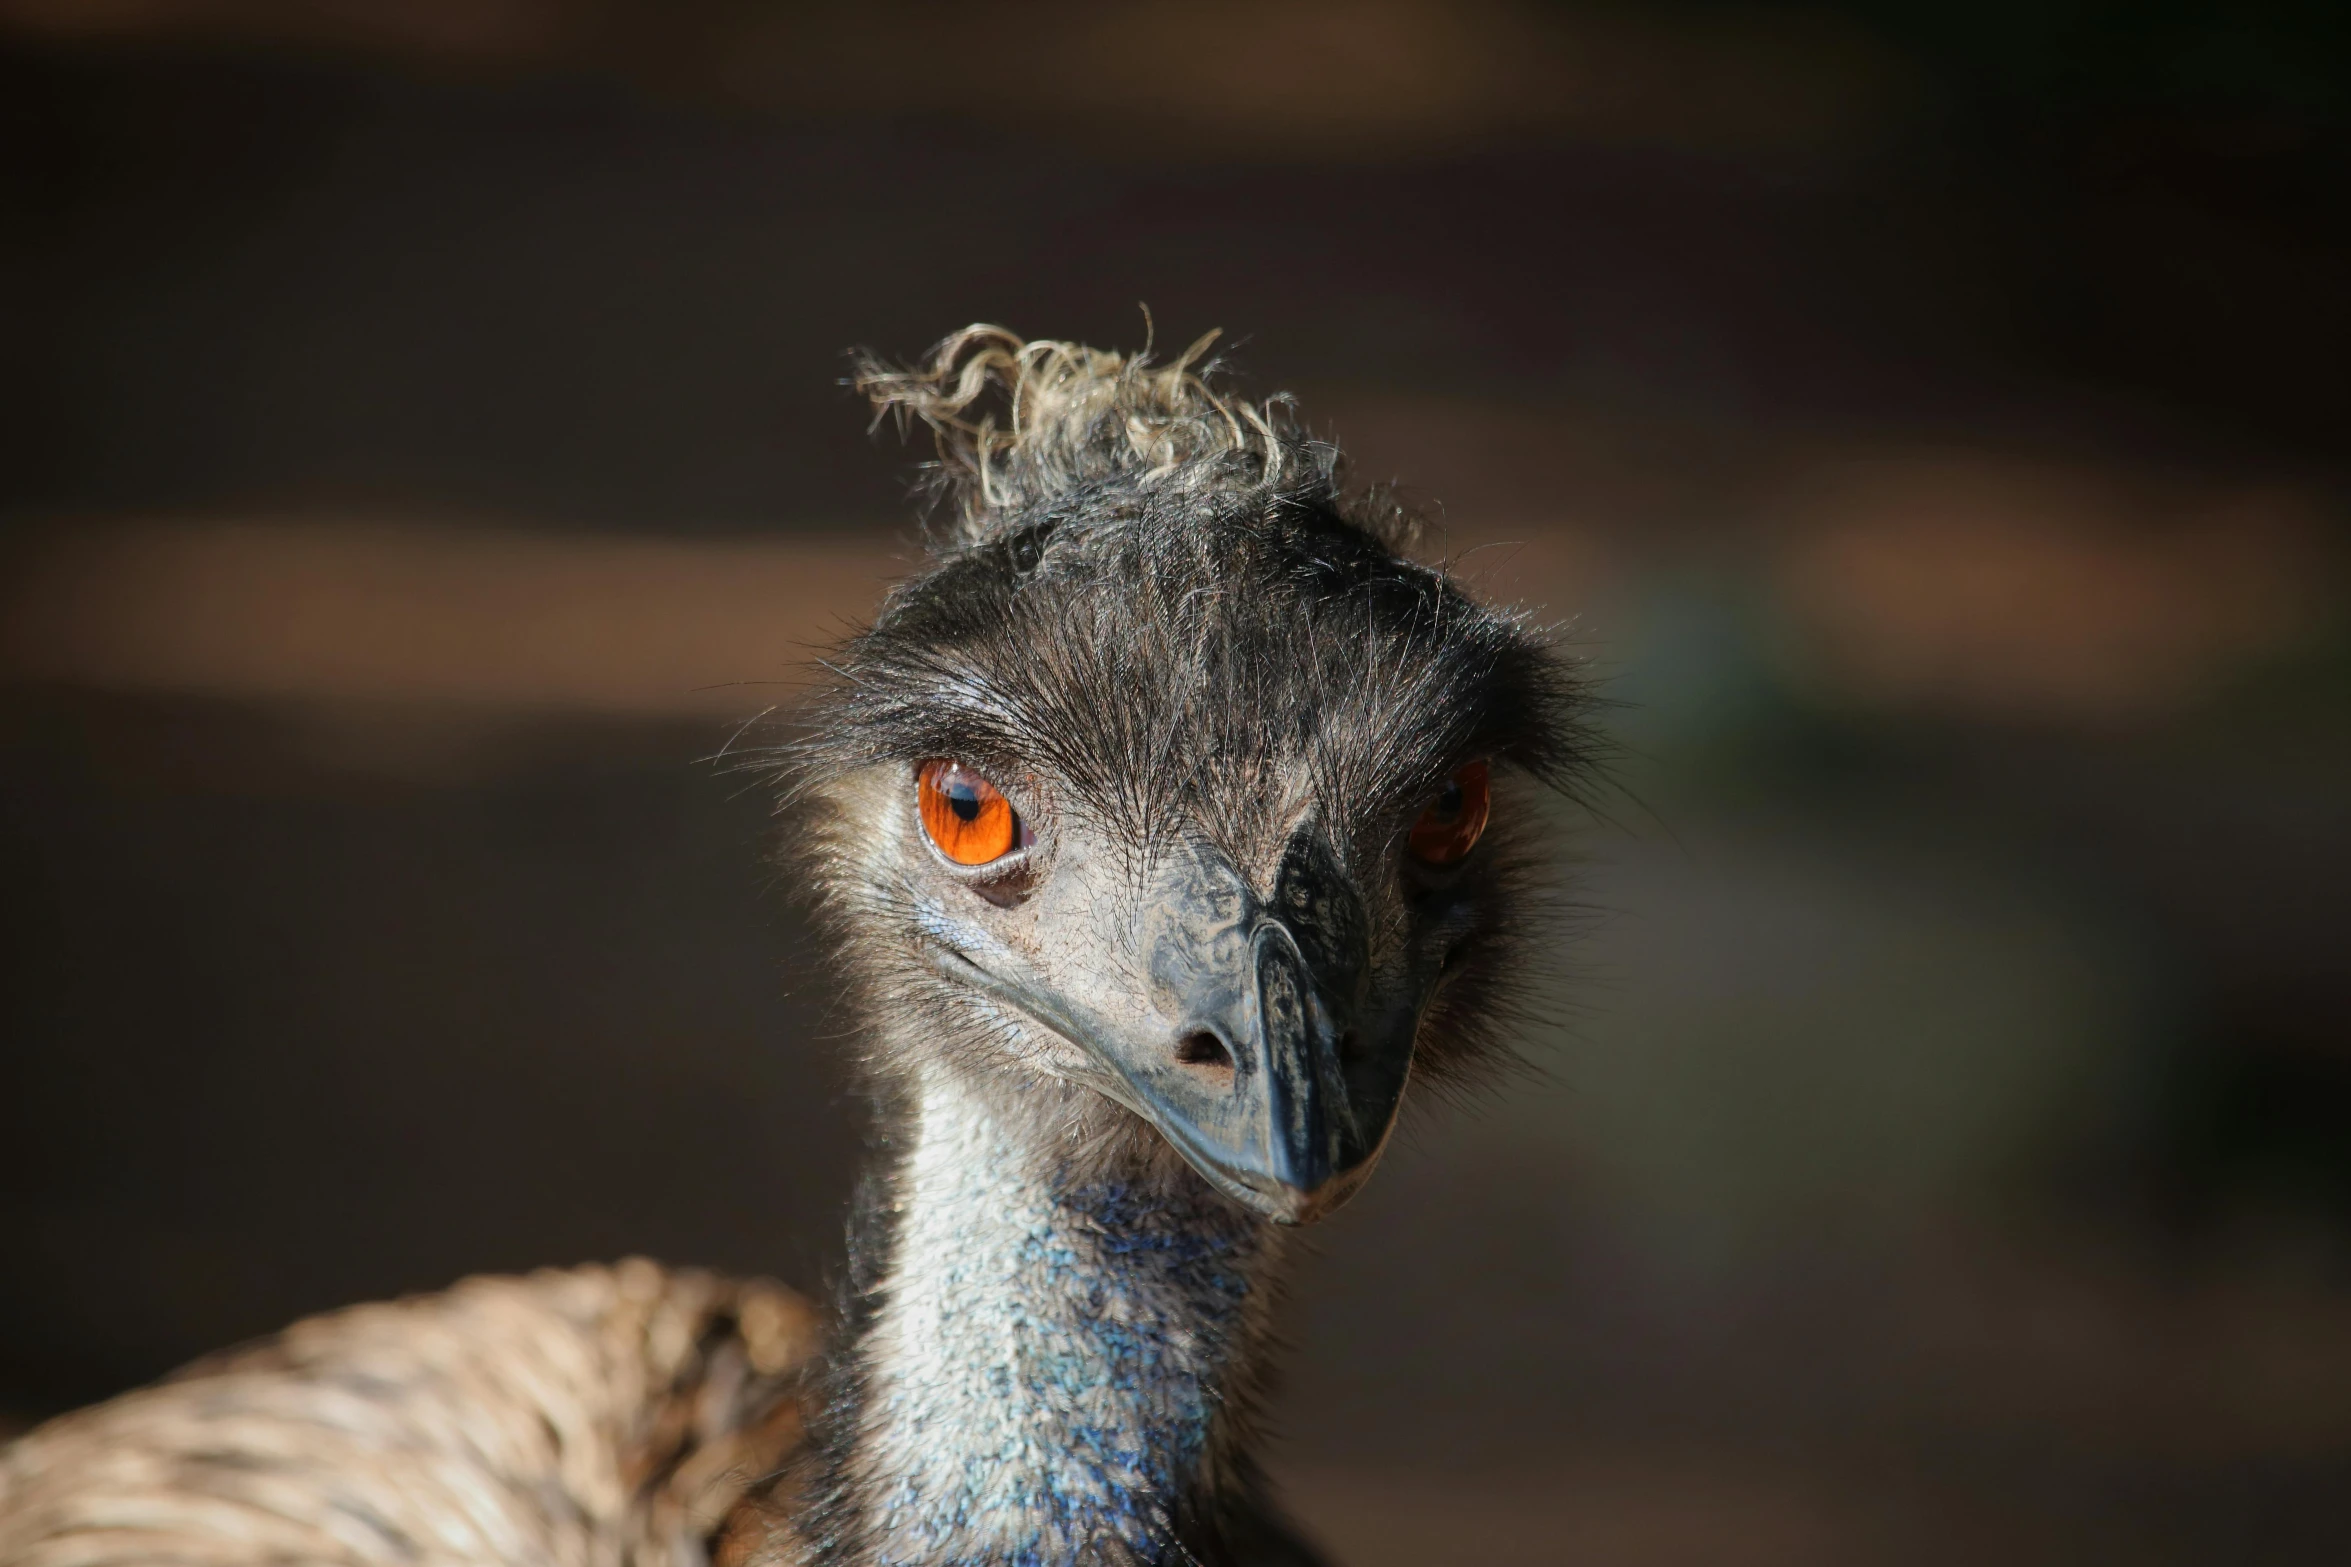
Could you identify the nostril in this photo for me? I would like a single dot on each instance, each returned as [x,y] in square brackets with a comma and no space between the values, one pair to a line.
[1351,1046]
[1202,1048]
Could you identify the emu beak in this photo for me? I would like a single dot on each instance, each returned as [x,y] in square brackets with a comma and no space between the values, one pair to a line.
[1244,1057]
[1284,1132]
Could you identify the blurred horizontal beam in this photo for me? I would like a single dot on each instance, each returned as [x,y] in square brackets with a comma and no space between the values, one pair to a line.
[1961,582]
[437,616]
[1220,79]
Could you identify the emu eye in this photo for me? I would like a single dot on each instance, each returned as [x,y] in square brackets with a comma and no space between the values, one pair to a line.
[966,816]
[1450,827]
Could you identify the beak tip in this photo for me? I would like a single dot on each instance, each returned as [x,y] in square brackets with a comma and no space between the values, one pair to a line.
[1295,1206]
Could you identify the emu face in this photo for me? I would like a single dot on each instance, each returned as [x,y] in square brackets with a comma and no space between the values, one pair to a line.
[1179,797]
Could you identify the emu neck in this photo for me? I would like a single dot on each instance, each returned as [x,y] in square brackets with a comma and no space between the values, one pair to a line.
[1052,1371]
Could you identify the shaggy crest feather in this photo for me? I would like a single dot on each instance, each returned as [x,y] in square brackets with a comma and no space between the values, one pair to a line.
[1020,424]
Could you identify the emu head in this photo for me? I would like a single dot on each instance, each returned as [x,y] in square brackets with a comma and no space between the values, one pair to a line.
[1171,799]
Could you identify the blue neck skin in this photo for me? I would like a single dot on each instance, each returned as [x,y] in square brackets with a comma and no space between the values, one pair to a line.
[1048,1369]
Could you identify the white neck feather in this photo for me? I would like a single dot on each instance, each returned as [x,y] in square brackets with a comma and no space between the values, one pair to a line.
[1048,1368]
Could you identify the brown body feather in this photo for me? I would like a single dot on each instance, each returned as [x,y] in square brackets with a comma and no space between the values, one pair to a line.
[596,1417]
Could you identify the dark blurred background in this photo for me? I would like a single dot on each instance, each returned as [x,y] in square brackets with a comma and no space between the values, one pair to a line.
[421,444]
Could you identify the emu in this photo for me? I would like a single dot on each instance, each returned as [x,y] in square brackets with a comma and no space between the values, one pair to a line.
[1164,828]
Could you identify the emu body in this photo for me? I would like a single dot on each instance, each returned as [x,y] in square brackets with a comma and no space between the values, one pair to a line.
[590,1418]
[1217,881]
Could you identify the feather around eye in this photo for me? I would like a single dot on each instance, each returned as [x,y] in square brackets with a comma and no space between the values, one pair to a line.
[964,814]
[1454,821]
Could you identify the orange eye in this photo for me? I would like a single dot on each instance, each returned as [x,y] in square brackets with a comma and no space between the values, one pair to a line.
[1449,828]
[966,816]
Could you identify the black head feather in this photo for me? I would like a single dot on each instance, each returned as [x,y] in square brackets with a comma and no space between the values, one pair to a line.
[1161,610]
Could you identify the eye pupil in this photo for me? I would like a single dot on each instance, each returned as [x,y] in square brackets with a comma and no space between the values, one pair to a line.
[964,801]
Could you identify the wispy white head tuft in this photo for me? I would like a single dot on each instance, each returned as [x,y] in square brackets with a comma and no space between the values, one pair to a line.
[1019,424]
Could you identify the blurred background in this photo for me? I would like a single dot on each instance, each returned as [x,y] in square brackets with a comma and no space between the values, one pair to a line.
[421,445]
